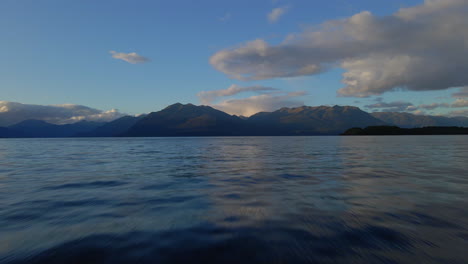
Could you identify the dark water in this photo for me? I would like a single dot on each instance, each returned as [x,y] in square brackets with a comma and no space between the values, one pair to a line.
[235,200]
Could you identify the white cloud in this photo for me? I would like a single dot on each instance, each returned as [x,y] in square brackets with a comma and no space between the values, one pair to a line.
[419,48]
[256,60]
[131,57]
[260,103]
[276,13]
[12,113]
[207,97]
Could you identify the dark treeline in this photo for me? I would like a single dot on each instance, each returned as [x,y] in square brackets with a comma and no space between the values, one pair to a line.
[394,130]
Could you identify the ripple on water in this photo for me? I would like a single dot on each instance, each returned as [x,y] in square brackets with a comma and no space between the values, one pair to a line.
[234,200]
[93,184]
[214,244]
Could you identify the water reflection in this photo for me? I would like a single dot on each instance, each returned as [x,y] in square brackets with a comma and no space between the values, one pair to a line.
[257,199]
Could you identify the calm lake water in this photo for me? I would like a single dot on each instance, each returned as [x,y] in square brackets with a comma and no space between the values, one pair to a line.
[400,199]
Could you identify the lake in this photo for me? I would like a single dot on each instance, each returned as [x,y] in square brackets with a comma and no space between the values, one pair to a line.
[330,199]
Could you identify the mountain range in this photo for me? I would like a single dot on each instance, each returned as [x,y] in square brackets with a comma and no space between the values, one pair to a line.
[407,120]
[191,120]
[39,128]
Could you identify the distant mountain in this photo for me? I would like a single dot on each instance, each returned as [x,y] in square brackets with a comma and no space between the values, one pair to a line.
[3,132]
[462,119]
[191,120]
[39,128]
[394,130]
[7,133]
[188,120]
[308,120]
[113,128]
[407,120]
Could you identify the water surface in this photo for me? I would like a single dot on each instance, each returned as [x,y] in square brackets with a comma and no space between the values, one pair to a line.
[400,199]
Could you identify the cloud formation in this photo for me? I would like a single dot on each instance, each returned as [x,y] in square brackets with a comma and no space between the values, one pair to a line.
[401,106]
[418,48]
[260,103]
[12,113]
[207,97]
[276,13]
[269,99]
[131,57]
[398,106]
[432,106]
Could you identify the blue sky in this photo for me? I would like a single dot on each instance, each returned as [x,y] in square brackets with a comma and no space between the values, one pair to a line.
[57,51]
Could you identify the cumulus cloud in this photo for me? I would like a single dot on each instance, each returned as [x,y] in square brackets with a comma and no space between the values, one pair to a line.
[12,113]
[276,14]
[131,57]
[260,103]
[418,48]
[256,60]
[207,97]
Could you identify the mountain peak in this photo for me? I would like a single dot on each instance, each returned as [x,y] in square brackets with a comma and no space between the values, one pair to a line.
[187,120]
[292,110]
[174,106]
[180,106]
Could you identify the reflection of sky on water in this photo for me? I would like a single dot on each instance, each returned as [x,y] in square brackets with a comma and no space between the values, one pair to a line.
[270,179]
[415,185]
[74,188]
[379,168]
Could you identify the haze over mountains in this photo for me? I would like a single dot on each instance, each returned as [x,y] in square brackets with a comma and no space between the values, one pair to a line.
[191,120]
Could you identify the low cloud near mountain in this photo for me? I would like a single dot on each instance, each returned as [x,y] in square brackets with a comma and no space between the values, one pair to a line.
[267,99]
[12,113]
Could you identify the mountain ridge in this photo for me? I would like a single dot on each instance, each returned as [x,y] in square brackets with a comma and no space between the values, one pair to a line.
[315,120]
[192,120]
[187,120]
[408,120]
[39,128]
